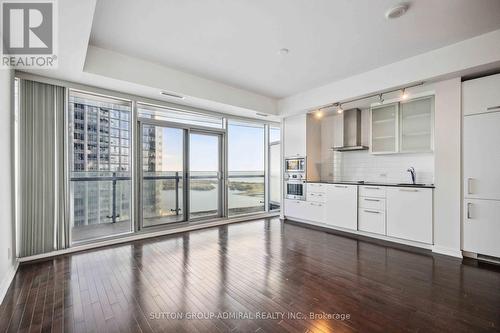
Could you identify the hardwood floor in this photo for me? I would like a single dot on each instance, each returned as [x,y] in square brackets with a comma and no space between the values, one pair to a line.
[252,269]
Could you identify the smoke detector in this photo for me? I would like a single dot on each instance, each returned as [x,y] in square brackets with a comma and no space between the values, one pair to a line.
[397,11]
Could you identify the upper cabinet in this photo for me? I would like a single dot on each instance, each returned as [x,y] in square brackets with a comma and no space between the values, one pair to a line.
[302,137]
[404,127]
[481,95]
[416,125]
[295,135]
[384,128]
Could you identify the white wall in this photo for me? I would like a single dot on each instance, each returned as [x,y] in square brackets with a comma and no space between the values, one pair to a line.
[447,148]
[7,238]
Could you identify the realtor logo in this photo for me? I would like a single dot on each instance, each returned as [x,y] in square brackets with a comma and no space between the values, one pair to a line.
[28,34]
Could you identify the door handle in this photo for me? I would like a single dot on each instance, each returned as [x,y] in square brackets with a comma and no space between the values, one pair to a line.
[372,211]
[469,215]
[339,186]
[407,190]
[469,185]
[372,188]
[375,200]
[493,108]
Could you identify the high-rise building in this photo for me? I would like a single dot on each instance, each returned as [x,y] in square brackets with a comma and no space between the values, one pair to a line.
[101,148]
[152,141]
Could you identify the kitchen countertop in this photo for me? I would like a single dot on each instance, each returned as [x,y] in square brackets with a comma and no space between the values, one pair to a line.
[373,183]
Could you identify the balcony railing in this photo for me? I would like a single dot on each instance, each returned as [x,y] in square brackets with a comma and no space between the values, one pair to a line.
[246,190]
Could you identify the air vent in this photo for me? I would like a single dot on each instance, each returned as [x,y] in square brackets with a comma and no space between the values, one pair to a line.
[490,259]
[397,11]
[165,93]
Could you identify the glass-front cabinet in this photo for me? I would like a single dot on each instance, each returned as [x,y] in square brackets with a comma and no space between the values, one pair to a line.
[416,125]
[403,127]
[384,127]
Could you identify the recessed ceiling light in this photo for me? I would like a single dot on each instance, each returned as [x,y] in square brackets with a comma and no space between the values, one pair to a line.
[284,51]
[397,11]
[169,94]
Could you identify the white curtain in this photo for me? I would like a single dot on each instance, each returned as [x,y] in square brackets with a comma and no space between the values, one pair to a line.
[42,176]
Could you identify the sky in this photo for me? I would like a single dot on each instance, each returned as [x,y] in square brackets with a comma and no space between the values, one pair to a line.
[245,149]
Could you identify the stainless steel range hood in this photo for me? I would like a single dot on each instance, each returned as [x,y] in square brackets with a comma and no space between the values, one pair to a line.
[351,132]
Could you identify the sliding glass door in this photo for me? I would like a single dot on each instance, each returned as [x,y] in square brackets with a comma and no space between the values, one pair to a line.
[205,175]
[168,153]
[163,170]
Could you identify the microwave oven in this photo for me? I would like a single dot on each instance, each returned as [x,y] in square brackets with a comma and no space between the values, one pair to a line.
[295,164]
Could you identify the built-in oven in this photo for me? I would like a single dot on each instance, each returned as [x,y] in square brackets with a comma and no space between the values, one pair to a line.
[295,186]
[295,164]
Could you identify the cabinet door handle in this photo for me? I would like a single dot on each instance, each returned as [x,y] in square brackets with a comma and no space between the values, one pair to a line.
[340,186]
[469,185]
[493,108]
[469,215]
[375,200]
[407,190]
[372,188]
[372,211]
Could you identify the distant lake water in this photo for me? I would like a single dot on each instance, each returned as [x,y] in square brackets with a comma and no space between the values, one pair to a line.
[203,200]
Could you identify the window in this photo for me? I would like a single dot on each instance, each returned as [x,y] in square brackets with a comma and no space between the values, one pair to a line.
[245,167]
[100,176]
[178,116]
[274,168]
[274,134]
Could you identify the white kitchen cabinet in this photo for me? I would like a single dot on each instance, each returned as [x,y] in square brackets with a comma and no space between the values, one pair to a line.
[409,213]
[316,211]
[481,95]
[384,128]
[416,125]
[316,187]
[482,226]
[342,206]
[372,203]
[296,208]
[371,220]
[295,135]
[403,127]
[305,210]
[481,159]
[372,191]
[316,197]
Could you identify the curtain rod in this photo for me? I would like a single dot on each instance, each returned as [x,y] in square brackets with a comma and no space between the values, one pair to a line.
[368,96]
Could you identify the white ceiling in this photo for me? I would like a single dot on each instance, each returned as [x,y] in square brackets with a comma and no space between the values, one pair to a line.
[237,41]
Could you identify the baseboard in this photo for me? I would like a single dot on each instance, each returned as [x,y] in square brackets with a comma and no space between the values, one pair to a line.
[7,280]
[447,251]
[152,234]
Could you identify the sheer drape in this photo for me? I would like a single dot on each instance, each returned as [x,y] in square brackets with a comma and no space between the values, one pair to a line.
[42,175]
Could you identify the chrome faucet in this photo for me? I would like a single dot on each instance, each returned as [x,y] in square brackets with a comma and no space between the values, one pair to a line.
[413,174]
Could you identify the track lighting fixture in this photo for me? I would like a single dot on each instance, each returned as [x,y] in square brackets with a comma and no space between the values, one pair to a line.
[339,108]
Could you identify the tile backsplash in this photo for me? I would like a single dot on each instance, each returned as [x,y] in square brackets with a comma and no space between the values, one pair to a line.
[361,165]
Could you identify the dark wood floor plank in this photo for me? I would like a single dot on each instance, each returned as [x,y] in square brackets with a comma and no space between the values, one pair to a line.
[248,268]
